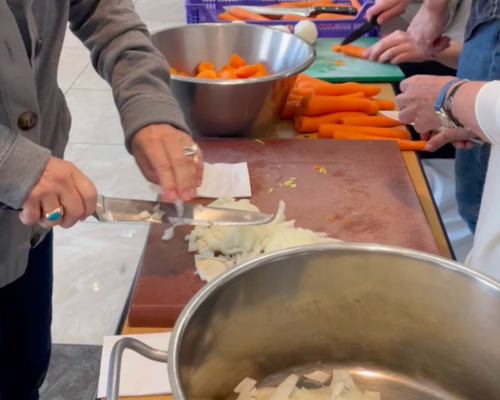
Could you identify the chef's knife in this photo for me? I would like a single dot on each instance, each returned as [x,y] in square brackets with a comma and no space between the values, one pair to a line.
[299,11]
[111,209]
[362,30]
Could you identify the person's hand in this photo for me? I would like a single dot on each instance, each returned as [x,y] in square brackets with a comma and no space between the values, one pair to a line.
[388,9]
[460,138]
[160,152]
[416,102]
[61,184]
[426,31]
[395,48]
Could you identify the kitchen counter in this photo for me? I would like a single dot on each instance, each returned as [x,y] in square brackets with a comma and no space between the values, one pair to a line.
[417,177]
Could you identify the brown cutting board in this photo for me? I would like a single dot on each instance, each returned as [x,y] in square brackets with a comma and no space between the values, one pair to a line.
[367,192]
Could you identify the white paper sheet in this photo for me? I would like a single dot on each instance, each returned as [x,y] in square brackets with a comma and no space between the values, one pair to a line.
[139,375]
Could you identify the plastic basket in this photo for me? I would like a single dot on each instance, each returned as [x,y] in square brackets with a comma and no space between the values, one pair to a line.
[206,11]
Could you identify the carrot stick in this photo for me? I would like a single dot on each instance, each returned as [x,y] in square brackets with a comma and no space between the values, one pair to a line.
[353,51]
[227,17]
[315,81]
[247,71]
[246,15]
[235,61]
[302,91]
[289,17]
[377,121]
[340,89]
[333,16]
[304,124]
[317,105]
[385,104]
[305,84]
[404,145]
[357,95]
[289,110]
[337,48]
[356,4]
[294,97]
[373,108]
[327,130]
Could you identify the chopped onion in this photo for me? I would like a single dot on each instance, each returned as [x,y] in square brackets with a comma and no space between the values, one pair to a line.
[157,207]
[337,389]
[318,376]
[210,268]
[245,385]
[285,388]
[158,215]
[169,234]
[144,215]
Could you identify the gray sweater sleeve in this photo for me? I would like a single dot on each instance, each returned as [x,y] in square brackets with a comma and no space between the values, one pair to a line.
[22,163]
[122,54]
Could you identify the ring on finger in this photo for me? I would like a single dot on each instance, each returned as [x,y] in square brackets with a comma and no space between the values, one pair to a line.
[55,214]
[192,151]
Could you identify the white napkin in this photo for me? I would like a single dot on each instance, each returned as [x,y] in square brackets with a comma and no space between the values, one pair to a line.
[139,375]
[223,180]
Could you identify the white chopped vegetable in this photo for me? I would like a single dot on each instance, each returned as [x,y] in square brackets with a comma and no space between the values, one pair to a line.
[245,385]
[307,30]
[156,208]
[337,389]
[372,395]
[247,395]
[168,234]
[265,393]
[285,388]
[282,28]
[144,215]
[158,215]
[340,376]
[210,268]
[318,376]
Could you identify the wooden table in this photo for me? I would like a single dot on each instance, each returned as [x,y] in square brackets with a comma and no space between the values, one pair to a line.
[416,173]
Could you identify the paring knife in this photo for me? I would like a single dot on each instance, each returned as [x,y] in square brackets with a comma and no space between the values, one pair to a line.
[362,30]
[299,11]
[111,209]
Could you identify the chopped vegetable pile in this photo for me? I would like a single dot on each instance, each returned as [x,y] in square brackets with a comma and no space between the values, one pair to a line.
[220,247]
[341,386]
[236,68]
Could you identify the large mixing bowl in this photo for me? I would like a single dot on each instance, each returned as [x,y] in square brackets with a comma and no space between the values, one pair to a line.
[410,325]
[222,108]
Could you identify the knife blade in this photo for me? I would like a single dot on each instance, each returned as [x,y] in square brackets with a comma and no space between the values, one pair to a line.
[362,30]
[299,11]
[111,209]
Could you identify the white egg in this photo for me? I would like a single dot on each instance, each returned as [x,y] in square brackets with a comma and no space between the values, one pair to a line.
[307,30]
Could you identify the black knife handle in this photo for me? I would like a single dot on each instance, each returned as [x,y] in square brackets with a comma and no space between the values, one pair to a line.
[335,10]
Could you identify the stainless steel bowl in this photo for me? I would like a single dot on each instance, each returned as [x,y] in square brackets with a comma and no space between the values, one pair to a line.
[243,108]
[410,325]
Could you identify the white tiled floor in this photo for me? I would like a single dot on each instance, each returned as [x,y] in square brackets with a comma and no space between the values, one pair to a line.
[94,263]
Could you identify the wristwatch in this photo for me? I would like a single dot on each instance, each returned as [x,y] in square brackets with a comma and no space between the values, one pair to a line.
[444,103]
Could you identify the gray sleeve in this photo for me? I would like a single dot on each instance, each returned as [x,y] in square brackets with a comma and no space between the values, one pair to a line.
[123,54]
[22,163]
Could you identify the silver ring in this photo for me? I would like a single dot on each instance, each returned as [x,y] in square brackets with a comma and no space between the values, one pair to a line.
[55,214]
[192,151]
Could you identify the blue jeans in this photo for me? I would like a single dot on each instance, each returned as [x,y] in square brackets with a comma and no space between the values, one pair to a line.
[25,319]
[479,61]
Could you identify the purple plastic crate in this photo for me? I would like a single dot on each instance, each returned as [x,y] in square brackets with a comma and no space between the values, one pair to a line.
[206,11]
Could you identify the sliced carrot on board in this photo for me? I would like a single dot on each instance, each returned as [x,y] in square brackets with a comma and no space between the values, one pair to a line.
[205,66]
[304,124]
[289,110]
[246,15]
[337,48]
[339,62]
[375,121]
[235,61]
[318,105]
[404,145]
[327,131]
[207,74]
[353,51]
[247,71]
[228,17]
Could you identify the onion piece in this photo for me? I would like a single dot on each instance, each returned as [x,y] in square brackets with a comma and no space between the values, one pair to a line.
[158,215]
[372,395]
[245,385]
[144,215]
[318,376]
[285,388]
[169,234]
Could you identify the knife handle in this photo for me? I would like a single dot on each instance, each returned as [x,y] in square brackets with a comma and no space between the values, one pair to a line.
[334,10]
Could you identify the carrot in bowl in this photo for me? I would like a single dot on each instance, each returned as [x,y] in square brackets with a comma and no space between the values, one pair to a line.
[247,71]
[207,74]
[205,66]
[235,61]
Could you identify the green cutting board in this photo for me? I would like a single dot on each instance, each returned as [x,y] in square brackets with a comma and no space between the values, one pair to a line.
[355,69]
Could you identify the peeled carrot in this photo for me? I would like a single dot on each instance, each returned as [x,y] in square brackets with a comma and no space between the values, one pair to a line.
[228,17]
[246,15]
[228,74]
[207,74]
[294,97]
[353,51]
[373,108]
[333,16]
[305,84]
[235,61]
[337,48]
[289,17]
[356,4]
[340,89]
[304,124]
[304,91]
[357,95]
[327,130]
[173,71]
[205,66]
[385,104]
[247,71]
[289,110]
[317,105]
[315,81]
[376,121]
[404,145]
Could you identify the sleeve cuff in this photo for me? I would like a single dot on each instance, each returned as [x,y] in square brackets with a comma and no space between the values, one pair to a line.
[487,109]
[151,111]
[20,170]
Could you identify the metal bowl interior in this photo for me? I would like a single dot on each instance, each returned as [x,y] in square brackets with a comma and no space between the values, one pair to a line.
[410,325]
[233,107]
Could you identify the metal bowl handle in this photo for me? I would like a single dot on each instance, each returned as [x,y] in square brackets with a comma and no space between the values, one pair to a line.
[116,361]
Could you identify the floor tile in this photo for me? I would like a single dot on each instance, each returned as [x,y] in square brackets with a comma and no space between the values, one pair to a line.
[90,79]
[112,169]
[94,266]
[72,63]
[95,117]
[71,41]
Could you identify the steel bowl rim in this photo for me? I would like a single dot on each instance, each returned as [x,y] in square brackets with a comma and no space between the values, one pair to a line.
[211,287]
[230,82]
